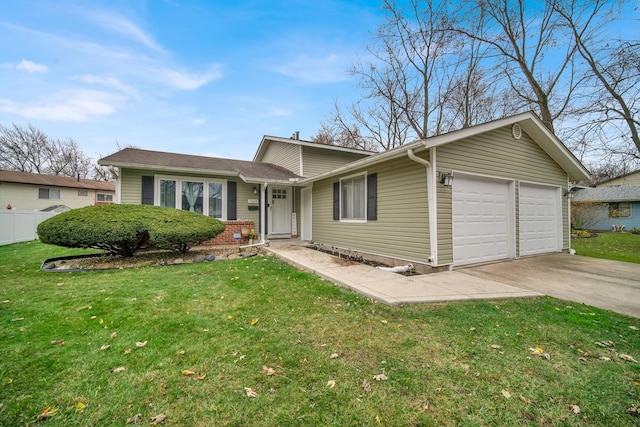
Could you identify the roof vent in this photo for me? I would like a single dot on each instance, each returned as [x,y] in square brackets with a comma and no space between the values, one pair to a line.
[296,135]
[516,131]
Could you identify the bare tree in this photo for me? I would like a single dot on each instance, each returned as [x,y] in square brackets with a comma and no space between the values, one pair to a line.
[30,150]
[536,63]
[613,68]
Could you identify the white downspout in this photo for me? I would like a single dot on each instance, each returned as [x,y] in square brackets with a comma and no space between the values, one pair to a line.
[263,216]
[431,201]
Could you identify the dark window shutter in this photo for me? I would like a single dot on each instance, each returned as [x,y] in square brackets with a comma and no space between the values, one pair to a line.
[336,201]
[232,201]
[147,190]
[372,197]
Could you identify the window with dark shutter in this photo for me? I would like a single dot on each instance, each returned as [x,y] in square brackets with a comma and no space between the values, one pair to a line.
[372,197]
[336,201]
[147,190]
[232,201]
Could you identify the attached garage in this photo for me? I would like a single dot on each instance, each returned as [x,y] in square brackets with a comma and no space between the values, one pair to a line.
[482,219]
[540,219]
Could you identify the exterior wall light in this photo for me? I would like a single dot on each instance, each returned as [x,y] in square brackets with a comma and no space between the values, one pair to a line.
[446,179]
[569,193]
[255,190]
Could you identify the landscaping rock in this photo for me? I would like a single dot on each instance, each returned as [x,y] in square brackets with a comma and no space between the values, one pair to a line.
[210,257]
[177,261]
[199,258]
[49,266]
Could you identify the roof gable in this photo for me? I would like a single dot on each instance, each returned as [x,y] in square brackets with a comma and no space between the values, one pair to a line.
[529,123]
[267,140]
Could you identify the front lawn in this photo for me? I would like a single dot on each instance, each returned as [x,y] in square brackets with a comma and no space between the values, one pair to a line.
[616,246]
[256,342]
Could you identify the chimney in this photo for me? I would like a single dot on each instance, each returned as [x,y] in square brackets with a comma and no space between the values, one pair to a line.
[296,135]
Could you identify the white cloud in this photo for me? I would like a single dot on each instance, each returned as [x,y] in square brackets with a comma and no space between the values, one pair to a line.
[31,67]
[70,106]
[279,112]
[327,69]
[185,80]
[110,82]
[126,28]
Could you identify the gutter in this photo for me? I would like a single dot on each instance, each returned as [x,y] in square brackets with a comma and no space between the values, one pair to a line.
[432,202]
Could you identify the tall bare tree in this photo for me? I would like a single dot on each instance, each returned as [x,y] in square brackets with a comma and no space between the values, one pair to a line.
[30,150]
[613,73]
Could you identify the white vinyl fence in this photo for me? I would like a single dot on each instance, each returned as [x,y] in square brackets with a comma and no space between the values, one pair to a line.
[20,226]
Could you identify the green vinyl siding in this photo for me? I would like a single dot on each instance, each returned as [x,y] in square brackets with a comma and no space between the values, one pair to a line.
[320,160]
[401,229]
[495,154]
[283,154]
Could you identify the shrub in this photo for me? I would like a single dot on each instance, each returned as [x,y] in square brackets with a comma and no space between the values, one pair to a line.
[635,230]
[124,229]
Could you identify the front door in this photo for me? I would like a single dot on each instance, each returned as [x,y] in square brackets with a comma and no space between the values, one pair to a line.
[280,212]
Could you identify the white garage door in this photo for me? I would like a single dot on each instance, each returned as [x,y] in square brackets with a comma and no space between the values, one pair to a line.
[540,220]
[480,220]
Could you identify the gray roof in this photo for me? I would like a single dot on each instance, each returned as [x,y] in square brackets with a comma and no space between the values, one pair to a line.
[55,181]
[608,194]
[185,163]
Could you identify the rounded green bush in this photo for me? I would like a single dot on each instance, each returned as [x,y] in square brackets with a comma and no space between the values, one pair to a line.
[124,229]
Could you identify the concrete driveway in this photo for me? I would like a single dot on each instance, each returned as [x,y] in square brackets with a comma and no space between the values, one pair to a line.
[607,284]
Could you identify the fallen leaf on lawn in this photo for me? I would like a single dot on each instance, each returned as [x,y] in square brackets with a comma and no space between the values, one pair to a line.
[540,352]
[268,371]
[575,409]
[229,317]
[634,410]
[472,329]
[113,335]
[244,356]
[8,301]
[17,319]
[506,394]
[127,351]
[158,419]
[254,321]
[200,377]
[331,383]
[101,321]
[366,386]
[525,400]
[605,343]
[250,392]
[627,358]
[118,369]
[80,406]
[141,344]
[378,420]
[496,346]
[635,328]
[188,373]
[56,342]
[380,377]
[605,358]
[181,352]
[466,369]
[105,347]
[134,419]
[94,317]
[334,356]
[46,413]
[384,322]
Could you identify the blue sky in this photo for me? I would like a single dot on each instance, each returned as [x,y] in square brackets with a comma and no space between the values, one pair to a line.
[194,77]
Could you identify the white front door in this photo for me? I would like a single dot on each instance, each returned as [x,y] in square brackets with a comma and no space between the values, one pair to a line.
[481,220]
[305,223]
[540,219]
[280,211]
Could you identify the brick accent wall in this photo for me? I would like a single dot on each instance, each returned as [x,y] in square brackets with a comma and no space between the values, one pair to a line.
[226,237]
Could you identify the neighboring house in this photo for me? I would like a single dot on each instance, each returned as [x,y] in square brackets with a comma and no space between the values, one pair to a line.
[490,192]
[613,207]
[632,178]
[31,191]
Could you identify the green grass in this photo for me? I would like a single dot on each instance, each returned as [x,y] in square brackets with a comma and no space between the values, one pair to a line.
[446,364]
[616,246]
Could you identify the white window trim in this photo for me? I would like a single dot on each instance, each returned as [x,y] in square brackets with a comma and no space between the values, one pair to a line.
[348,178]
[106,196]
[205,195]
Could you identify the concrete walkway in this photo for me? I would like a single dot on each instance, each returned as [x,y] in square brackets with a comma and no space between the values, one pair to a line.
[394,288]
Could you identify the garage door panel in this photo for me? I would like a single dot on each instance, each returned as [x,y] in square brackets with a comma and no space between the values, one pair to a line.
[540,220]
[480,220]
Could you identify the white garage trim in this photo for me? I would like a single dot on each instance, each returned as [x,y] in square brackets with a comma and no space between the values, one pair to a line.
[483,218]
[539,218]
